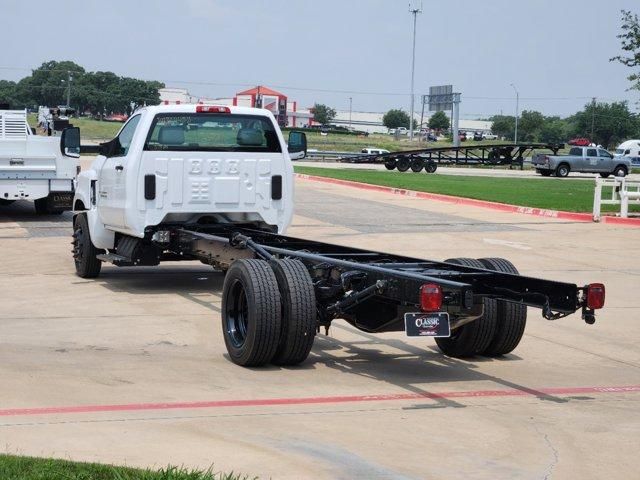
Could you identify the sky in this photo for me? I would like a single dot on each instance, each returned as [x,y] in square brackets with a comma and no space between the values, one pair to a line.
[556,52]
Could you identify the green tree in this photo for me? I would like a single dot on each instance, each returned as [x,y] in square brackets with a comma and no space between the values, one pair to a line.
[503,126]
[396,118]
[554,130]
[8,92]
[323,114]
[439,121]
[630,39]
[530,124]
[610,122]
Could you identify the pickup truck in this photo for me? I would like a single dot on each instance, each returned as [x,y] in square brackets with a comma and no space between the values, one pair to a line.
[37,168]
[584,160]
[215,184]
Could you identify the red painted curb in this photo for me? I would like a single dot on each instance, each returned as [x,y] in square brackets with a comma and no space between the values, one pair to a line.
[132,407]
[502,207]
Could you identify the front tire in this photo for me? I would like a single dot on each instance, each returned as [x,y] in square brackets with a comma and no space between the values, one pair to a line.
[84,252]
[251,313]
[512,317]
[474,337]
[298,328]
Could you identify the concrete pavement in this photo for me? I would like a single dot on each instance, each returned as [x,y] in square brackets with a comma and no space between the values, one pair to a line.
[131,367]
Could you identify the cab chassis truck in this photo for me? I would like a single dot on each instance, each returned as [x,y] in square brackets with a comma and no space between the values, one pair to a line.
[166,189]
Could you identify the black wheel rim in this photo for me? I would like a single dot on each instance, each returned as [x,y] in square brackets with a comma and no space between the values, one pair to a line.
[237,315]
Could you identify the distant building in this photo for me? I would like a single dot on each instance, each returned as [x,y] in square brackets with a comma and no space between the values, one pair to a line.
[289,114]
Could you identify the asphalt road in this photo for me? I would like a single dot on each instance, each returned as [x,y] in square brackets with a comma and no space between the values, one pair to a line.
[131,368]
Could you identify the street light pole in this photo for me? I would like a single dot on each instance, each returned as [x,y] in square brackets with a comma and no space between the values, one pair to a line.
[350,108]
[414,12]
[68,89]
[515,139]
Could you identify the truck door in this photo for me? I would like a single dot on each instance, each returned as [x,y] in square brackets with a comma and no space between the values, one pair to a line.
[605,161]
[591,160]
[111,189]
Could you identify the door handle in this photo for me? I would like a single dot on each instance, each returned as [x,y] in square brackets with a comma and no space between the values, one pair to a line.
[119,167]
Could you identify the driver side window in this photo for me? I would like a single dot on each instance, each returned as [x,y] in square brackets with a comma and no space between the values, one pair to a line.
[126,136]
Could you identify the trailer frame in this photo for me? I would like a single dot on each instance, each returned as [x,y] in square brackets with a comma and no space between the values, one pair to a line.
[486,154]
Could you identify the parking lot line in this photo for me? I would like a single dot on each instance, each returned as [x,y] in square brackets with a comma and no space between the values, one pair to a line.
[263,402]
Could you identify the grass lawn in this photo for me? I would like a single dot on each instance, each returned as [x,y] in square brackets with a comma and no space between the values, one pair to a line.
[554,194]
[89,129]
[29,468]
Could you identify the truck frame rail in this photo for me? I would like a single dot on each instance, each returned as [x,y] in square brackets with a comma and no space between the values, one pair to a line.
[345,278]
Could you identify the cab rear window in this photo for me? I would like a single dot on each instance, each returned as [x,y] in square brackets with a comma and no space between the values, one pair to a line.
[212,132]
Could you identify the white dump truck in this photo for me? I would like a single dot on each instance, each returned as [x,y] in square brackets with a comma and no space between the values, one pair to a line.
[37,168]
[215,184]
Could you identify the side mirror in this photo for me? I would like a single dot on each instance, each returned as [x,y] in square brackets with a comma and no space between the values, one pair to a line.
[297,145]
[111,148]
[70,142]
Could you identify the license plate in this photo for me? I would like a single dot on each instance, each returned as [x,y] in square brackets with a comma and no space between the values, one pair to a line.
[435,324]
[61,199]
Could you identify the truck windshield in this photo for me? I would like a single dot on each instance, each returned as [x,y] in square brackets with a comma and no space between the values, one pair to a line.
[212,132]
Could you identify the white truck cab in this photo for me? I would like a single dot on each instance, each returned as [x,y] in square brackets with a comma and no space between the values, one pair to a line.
[630,149]
[37,168]
[189,165]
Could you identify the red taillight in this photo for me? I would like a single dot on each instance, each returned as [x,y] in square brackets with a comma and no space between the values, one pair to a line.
[430,297]
[212,109]
[595,296]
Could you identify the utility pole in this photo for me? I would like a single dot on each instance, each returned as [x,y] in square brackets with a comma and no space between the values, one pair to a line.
[68,88]
[414,12]
[515,139]
[350,108]
[593,116]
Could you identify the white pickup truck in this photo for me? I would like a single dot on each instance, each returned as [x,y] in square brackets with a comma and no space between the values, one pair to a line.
[37,168]
[215,184]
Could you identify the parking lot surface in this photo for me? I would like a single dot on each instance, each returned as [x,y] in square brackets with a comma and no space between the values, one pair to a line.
[131,368]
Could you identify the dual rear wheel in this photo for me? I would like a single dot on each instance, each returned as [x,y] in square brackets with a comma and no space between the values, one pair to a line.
[268,312]
[501,326]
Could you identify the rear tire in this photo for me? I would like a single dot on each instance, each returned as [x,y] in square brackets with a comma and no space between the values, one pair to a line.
[605,175]
[84,252]
[431,167]
[563,170]
[545,173]
[251,313]
[417,164]
[403,164]
[620,171]
[298,326]
[512,317]
[42,207]
[474,337]
[390,164]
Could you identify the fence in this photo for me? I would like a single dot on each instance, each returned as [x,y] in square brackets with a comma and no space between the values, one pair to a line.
[616,191]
